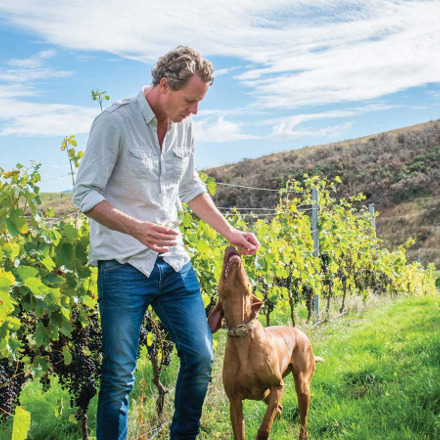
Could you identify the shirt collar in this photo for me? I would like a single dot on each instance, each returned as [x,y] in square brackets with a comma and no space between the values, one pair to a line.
[146,110]
[144,107]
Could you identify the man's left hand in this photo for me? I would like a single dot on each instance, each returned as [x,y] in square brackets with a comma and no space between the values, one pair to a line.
[246,242]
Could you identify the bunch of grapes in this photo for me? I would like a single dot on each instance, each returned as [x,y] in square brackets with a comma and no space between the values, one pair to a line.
[12,378]
[325,261]
[81,376]
[210,306]
[308,296]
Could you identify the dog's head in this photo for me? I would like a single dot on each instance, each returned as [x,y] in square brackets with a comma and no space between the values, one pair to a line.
[234,289]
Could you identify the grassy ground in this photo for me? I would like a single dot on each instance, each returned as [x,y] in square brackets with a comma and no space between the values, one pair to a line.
[379,381]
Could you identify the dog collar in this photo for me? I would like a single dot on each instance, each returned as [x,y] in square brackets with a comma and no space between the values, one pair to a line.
[241,329]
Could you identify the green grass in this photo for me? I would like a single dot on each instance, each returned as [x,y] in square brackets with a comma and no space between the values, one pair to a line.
[380,380]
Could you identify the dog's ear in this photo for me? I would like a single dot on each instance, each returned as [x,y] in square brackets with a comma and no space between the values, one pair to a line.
[256,304]
[215,317]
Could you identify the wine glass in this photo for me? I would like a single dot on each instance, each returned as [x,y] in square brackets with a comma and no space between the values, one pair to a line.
[170,216]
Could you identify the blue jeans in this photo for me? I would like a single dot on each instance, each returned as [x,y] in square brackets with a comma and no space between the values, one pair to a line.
[124,294]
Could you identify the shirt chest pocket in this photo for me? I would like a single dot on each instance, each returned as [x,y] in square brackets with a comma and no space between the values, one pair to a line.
[180,159]
[141,163]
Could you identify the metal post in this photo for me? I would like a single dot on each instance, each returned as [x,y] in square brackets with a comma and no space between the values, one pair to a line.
[315,208]
[373,222]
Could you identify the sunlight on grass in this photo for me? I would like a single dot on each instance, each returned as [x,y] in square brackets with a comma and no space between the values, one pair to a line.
[379,380]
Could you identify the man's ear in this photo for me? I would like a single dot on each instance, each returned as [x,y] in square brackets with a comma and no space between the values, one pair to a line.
[164,85]
[256,304]
[215,317]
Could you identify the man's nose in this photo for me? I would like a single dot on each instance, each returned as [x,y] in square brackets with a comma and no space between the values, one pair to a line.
[193,108]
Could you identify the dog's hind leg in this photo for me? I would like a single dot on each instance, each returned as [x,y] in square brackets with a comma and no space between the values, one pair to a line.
[303,373]
[302,386]
[273,404]
[237,419]
[279,409]
[303,366]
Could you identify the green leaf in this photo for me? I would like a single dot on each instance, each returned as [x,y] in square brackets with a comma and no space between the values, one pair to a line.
[7,305]
[66,255]
[11,250]
[54,280]
[70,232]
[38,289]
[203,246]
[53,298]
[150,338]
[21,224]
[212,187]
[25,272]
[48,263]
[67,356]
[41,335]
[22,424]
[89,301]
[11,227]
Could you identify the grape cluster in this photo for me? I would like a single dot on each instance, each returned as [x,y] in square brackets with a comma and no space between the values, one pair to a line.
[81,376]
[282,282]
[210,306]
[325,261]
[308,296]
[12,378]
[269,305]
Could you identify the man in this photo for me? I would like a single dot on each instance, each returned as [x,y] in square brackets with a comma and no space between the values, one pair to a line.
[138,163]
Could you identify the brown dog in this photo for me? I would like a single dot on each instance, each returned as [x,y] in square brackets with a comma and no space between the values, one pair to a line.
[257,358]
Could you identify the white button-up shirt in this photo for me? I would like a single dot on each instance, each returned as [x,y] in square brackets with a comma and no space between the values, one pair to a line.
[124,164]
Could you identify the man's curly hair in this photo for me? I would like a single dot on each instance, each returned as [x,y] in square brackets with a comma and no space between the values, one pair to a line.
[179,66]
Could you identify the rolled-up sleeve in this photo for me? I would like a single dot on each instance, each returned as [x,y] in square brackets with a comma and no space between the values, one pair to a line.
[98,162]
[191,185]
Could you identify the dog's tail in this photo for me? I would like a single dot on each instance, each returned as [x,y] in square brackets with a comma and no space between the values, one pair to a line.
[319,359]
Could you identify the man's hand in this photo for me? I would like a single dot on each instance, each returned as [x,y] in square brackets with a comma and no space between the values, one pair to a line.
[156,237]
[246,242]
[204,207]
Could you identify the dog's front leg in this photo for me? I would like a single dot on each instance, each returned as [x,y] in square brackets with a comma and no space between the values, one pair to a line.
[276,392]
[237,419]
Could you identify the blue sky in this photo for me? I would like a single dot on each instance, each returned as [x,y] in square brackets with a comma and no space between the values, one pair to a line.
[289,73]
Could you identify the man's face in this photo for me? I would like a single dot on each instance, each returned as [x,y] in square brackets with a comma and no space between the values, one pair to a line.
[179,104]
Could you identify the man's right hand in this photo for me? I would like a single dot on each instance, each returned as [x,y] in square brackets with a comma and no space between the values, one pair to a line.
[156,237]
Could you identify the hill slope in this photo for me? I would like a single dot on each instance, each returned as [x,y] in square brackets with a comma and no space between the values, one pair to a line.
[398,171]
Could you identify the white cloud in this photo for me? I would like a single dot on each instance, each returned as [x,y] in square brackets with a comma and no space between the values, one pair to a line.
[285,127]
[303,52]
[293,53]
[30,69]
[22,118]
[26,75]
[225,71]
[219,131]
[32,62]
[330,132]
[34,119]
